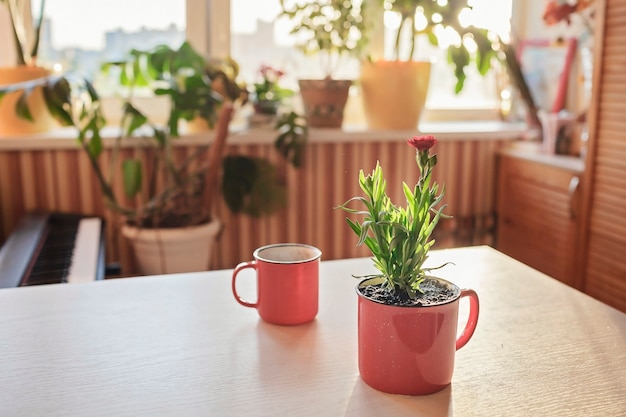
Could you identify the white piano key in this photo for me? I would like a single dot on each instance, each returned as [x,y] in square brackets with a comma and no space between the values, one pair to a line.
[86,248]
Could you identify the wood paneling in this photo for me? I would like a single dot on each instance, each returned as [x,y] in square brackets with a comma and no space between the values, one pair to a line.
[536,215]
[61,179]
[603,242]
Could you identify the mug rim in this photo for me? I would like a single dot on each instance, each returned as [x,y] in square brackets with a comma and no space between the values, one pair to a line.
[364,282]
[317,253]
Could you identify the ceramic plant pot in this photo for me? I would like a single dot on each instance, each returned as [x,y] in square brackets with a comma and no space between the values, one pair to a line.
[266,107]
[394,93]
[10,123]
[324,101]
[175,250]
[410,350]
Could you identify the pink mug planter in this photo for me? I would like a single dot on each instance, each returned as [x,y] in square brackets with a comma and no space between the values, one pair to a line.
[410,350]
[287,282]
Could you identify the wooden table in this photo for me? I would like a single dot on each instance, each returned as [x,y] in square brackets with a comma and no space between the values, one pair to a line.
[180,345]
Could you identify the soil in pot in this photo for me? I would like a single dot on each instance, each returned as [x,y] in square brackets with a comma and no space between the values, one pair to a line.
[435,292]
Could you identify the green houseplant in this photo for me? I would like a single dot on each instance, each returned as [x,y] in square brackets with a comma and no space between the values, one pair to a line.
[267,92]
[333,30]
[407,317]
[26,48]
[190,186]
[438,17]
[143,177]
[390,107]
[24,112]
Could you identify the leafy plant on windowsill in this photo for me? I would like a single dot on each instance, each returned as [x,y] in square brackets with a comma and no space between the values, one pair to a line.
[26,48]
[431,18]
[399,237]
[331,29]
[267,93]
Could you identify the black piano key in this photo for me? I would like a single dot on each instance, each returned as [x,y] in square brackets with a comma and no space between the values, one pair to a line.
[55,258]
[41,250]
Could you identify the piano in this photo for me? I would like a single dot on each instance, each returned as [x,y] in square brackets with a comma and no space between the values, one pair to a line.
[50,248]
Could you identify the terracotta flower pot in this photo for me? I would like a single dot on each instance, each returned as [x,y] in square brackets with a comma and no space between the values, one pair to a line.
[324,101]
[394,93]
[410,350]
[10,123]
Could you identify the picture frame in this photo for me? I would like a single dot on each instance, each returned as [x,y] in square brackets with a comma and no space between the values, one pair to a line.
[546,65]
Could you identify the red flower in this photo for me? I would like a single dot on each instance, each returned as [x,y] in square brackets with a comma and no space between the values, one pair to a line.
[559,10]
[423,142]
[555,13]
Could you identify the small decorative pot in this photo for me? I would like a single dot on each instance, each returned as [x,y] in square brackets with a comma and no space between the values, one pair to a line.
[410,350]
[266,107]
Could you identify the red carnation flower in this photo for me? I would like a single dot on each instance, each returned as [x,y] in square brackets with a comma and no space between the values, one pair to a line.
[555,12]
[423,142]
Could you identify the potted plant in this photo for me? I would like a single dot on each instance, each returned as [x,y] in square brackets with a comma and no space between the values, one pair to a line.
[23,112]
[407,326]
[333,30]
[267,93]
[164,193]
[394,91]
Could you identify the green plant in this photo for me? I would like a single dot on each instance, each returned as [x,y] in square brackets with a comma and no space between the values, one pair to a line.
[293,133]
[431,17]
[168,191]
[399,237]
[268,87]
[249,185]
[25,47]
[333,29]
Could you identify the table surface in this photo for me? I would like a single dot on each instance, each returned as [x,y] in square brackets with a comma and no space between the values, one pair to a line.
[180,345]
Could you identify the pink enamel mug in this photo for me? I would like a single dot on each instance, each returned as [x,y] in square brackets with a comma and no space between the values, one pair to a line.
[287,282]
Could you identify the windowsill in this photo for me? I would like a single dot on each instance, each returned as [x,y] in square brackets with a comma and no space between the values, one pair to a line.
[65,138]
[534,153]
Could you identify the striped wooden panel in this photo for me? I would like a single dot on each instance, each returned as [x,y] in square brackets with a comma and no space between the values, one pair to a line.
[62,180]
[606,236]
[534,222]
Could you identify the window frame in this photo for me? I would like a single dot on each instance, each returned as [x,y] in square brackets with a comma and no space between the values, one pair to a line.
[209,32]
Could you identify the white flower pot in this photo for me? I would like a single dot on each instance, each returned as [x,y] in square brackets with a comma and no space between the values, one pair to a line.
[168,251]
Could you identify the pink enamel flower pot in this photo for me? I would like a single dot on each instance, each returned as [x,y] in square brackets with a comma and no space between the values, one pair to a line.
[410,350]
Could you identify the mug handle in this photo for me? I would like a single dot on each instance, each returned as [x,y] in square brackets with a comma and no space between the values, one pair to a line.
[468,331]
[239,268]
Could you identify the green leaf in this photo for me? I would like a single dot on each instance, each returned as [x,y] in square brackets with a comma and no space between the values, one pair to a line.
[21,107]
[95,144]
[57,95]
[133,118]
[131,169]
[251,186]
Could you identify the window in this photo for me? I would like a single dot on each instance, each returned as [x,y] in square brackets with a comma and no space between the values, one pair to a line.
[257,37]
[70,42]
[252,35]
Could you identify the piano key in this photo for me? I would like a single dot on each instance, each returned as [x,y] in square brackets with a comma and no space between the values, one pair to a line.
[86,251]
[42,249]
[54,258]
